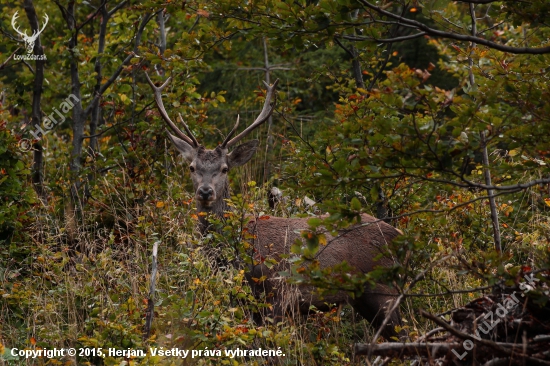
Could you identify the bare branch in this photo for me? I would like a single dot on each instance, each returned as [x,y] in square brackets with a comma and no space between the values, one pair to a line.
[348,51]
[402,295]
[508,349]
[116,8]
[469,184]
[386,40]
[108,83]
[91,16]
[460,37]
[194,24]
[490,192]
[118,124]
[9,59]
[488,1]
[434,350]
[162,35]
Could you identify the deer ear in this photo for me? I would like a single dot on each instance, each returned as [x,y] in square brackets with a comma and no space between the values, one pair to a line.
[242,153]
[188,151]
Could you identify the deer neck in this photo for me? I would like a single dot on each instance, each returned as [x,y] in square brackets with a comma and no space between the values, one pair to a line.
[218,208]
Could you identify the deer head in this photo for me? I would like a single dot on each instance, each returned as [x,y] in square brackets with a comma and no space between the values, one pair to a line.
[209,168]
[29,40]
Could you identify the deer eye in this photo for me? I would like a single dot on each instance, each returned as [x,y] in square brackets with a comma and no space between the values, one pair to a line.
[192,169]
[224,170]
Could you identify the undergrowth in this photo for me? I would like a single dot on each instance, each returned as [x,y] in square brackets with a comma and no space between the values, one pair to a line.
[85,279]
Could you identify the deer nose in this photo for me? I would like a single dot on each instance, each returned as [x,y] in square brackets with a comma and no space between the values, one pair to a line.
[205,193]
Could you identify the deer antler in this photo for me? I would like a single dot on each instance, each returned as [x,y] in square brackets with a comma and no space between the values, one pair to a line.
[14,25]
[230,134]
[264,115]
[191,140]
[36,33]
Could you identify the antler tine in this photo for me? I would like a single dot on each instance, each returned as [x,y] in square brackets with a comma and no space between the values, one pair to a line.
[189,133]
[160,106]
[267,110]
[14,25]
[37,32]
[224,143]
[46,18]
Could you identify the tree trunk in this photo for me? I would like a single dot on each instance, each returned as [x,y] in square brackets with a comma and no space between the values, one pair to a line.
[36,116]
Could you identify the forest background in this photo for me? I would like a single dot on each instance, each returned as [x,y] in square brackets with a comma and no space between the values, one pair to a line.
[430,115]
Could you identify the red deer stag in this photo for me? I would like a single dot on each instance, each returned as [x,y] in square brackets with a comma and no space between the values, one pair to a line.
[208,170]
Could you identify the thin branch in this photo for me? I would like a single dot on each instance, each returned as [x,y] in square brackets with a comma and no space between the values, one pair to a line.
[472,46]
[146,19]
[162,33]
[194,24]
[348,51]
[431,333]
[270,68]
[400,298]
[488,1]
[385,40]
[469,184]
[111,80]
[116,8]
[460,37]
[125,62]
[494,26]
[490,192]
[91,16]
[118,124]
[432,350]
[151,300]
[9,58]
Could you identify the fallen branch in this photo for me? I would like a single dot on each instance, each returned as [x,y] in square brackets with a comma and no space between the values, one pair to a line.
[438,349]
[508,349]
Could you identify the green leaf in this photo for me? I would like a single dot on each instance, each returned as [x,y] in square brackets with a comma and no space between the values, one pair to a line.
[355,204]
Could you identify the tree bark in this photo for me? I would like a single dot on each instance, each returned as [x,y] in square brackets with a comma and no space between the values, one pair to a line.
[36,116]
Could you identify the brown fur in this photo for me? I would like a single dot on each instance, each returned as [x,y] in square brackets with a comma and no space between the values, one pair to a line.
[357,246]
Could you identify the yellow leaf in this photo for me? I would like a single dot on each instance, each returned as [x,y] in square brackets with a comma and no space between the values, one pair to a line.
[160,204]
[547,201]
[512,153]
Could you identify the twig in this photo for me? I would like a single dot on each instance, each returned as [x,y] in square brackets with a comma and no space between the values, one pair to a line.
[151,300]
[460,37]
[406,349]
[9,58]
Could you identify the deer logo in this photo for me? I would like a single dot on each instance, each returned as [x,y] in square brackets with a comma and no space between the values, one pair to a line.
[29,40]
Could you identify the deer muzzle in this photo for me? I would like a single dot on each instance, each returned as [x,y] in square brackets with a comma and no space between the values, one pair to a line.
[206,195]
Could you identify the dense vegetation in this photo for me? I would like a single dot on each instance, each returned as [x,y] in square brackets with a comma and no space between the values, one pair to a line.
[431,115]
